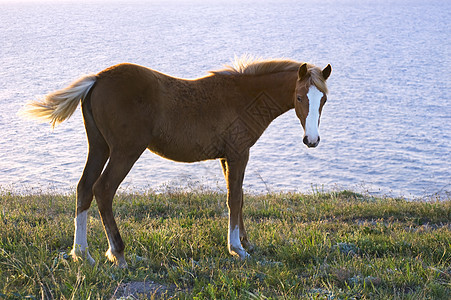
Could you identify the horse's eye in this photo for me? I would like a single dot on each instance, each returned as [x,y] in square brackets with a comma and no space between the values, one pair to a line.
[299,98]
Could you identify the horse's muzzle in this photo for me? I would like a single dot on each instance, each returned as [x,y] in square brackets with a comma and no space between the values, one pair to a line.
[309,143]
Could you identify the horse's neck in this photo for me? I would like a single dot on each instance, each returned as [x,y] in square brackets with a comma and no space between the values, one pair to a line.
[271,91]
[265,98]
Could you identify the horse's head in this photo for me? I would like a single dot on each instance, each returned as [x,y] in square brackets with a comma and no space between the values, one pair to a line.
[310,97]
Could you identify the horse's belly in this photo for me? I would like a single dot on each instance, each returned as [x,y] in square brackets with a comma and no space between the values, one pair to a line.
[191,151]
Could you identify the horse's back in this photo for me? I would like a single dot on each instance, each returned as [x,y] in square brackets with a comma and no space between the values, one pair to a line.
[126,75]
[173,117]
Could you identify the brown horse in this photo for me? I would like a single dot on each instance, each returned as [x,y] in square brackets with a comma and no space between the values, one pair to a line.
[128,108]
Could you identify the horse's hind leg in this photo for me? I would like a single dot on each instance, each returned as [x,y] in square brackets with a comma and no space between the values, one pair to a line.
[118,167]
[97,157]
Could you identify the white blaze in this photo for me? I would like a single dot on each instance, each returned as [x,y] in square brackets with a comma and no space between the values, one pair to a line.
[311,122]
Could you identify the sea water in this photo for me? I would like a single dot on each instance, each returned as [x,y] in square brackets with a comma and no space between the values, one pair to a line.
[384,130]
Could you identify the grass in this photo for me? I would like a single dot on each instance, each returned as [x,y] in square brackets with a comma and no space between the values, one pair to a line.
[339,245]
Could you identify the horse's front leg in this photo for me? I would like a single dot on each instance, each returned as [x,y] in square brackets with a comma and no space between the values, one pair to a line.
[234,174]
[243,234]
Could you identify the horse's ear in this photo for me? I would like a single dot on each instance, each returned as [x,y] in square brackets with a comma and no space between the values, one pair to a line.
[326,72]
[302,71]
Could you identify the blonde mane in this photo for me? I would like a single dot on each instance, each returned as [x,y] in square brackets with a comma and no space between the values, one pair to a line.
[248,65]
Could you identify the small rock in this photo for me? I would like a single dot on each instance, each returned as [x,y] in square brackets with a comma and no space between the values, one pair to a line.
[347,248]
[131,290]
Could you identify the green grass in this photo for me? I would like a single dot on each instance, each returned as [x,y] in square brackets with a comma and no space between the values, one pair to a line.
[338,245]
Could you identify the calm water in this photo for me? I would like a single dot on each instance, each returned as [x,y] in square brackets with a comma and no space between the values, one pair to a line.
[385,129]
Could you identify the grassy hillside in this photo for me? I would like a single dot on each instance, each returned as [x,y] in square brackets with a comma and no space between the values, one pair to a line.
[338,245]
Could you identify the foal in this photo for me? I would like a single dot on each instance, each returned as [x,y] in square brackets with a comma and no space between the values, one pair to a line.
[129,108]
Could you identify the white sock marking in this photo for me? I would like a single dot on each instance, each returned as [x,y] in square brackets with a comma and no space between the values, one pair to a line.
[234,238]
[80,248]
[81,227]
[235,247]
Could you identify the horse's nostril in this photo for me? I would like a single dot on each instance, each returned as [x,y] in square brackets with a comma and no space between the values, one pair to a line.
[310,144]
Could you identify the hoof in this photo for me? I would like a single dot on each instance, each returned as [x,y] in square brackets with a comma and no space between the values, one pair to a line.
[79,255]
[239,252]
[248,246]
[116,258]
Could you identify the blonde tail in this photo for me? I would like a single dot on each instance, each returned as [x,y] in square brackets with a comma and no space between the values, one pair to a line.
[59,105]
